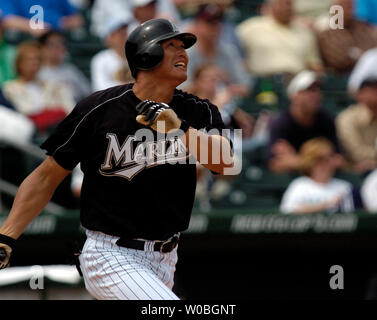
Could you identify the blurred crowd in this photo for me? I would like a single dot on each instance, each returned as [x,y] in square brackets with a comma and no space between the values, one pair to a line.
[296,43]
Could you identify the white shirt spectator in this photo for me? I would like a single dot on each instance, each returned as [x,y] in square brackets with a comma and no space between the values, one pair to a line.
[366,67]
[303,191]
[369,191]
[36,96]
[15,127]
[104,68]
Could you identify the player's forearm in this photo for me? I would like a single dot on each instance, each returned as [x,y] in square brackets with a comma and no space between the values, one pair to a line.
[211,151]
[33,195]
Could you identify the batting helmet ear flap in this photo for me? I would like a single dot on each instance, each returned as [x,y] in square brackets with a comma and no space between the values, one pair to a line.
[149,57]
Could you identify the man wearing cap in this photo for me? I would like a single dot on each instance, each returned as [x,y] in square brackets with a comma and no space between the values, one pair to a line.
[109,67]
[137,145]
[357,127]
[303,120]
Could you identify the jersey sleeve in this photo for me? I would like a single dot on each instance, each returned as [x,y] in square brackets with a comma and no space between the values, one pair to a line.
[67,142]
[211,121]
[201,113]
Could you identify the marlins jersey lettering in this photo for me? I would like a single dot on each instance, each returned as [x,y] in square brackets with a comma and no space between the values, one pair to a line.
[101,134]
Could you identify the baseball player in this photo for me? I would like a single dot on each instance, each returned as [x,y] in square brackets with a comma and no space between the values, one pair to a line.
[133,143]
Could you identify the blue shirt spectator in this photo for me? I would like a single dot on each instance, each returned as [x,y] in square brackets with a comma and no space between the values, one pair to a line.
[58,15]
[366,10]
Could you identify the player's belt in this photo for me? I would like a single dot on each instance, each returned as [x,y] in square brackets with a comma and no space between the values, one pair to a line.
[162,246]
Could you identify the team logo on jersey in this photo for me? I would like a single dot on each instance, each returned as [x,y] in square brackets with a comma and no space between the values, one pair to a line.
[135,155]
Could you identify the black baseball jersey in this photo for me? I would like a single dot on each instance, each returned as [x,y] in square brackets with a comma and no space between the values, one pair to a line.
[121,196]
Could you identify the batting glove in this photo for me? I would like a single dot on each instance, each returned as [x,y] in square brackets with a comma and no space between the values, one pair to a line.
[151,112]
[7,245]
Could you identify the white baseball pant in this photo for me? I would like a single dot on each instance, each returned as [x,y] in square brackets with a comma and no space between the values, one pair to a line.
[112,272]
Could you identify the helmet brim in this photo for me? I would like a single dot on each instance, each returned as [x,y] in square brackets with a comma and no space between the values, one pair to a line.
[187,38]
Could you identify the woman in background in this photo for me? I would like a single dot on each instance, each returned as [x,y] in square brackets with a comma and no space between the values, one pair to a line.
[45,103]
[317,190]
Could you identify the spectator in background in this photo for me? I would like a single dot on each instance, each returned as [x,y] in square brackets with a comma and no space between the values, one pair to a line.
[55,69]
[43,102]
[302,121]
[357,128]
[341,48]
[142,10]
[277,44]
[317,190]
[368,192]
[228,33]
[210,83]
[207,27]
[309,10]
[59,15]
[104,10]
[366,67]
[7,57]
[109,67]
[366,10]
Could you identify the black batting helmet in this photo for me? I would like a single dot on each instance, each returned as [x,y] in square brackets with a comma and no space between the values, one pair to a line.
[143,49]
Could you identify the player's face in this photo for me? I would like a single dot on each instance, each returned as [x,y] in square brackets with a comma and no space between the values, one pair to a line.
[174,63]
